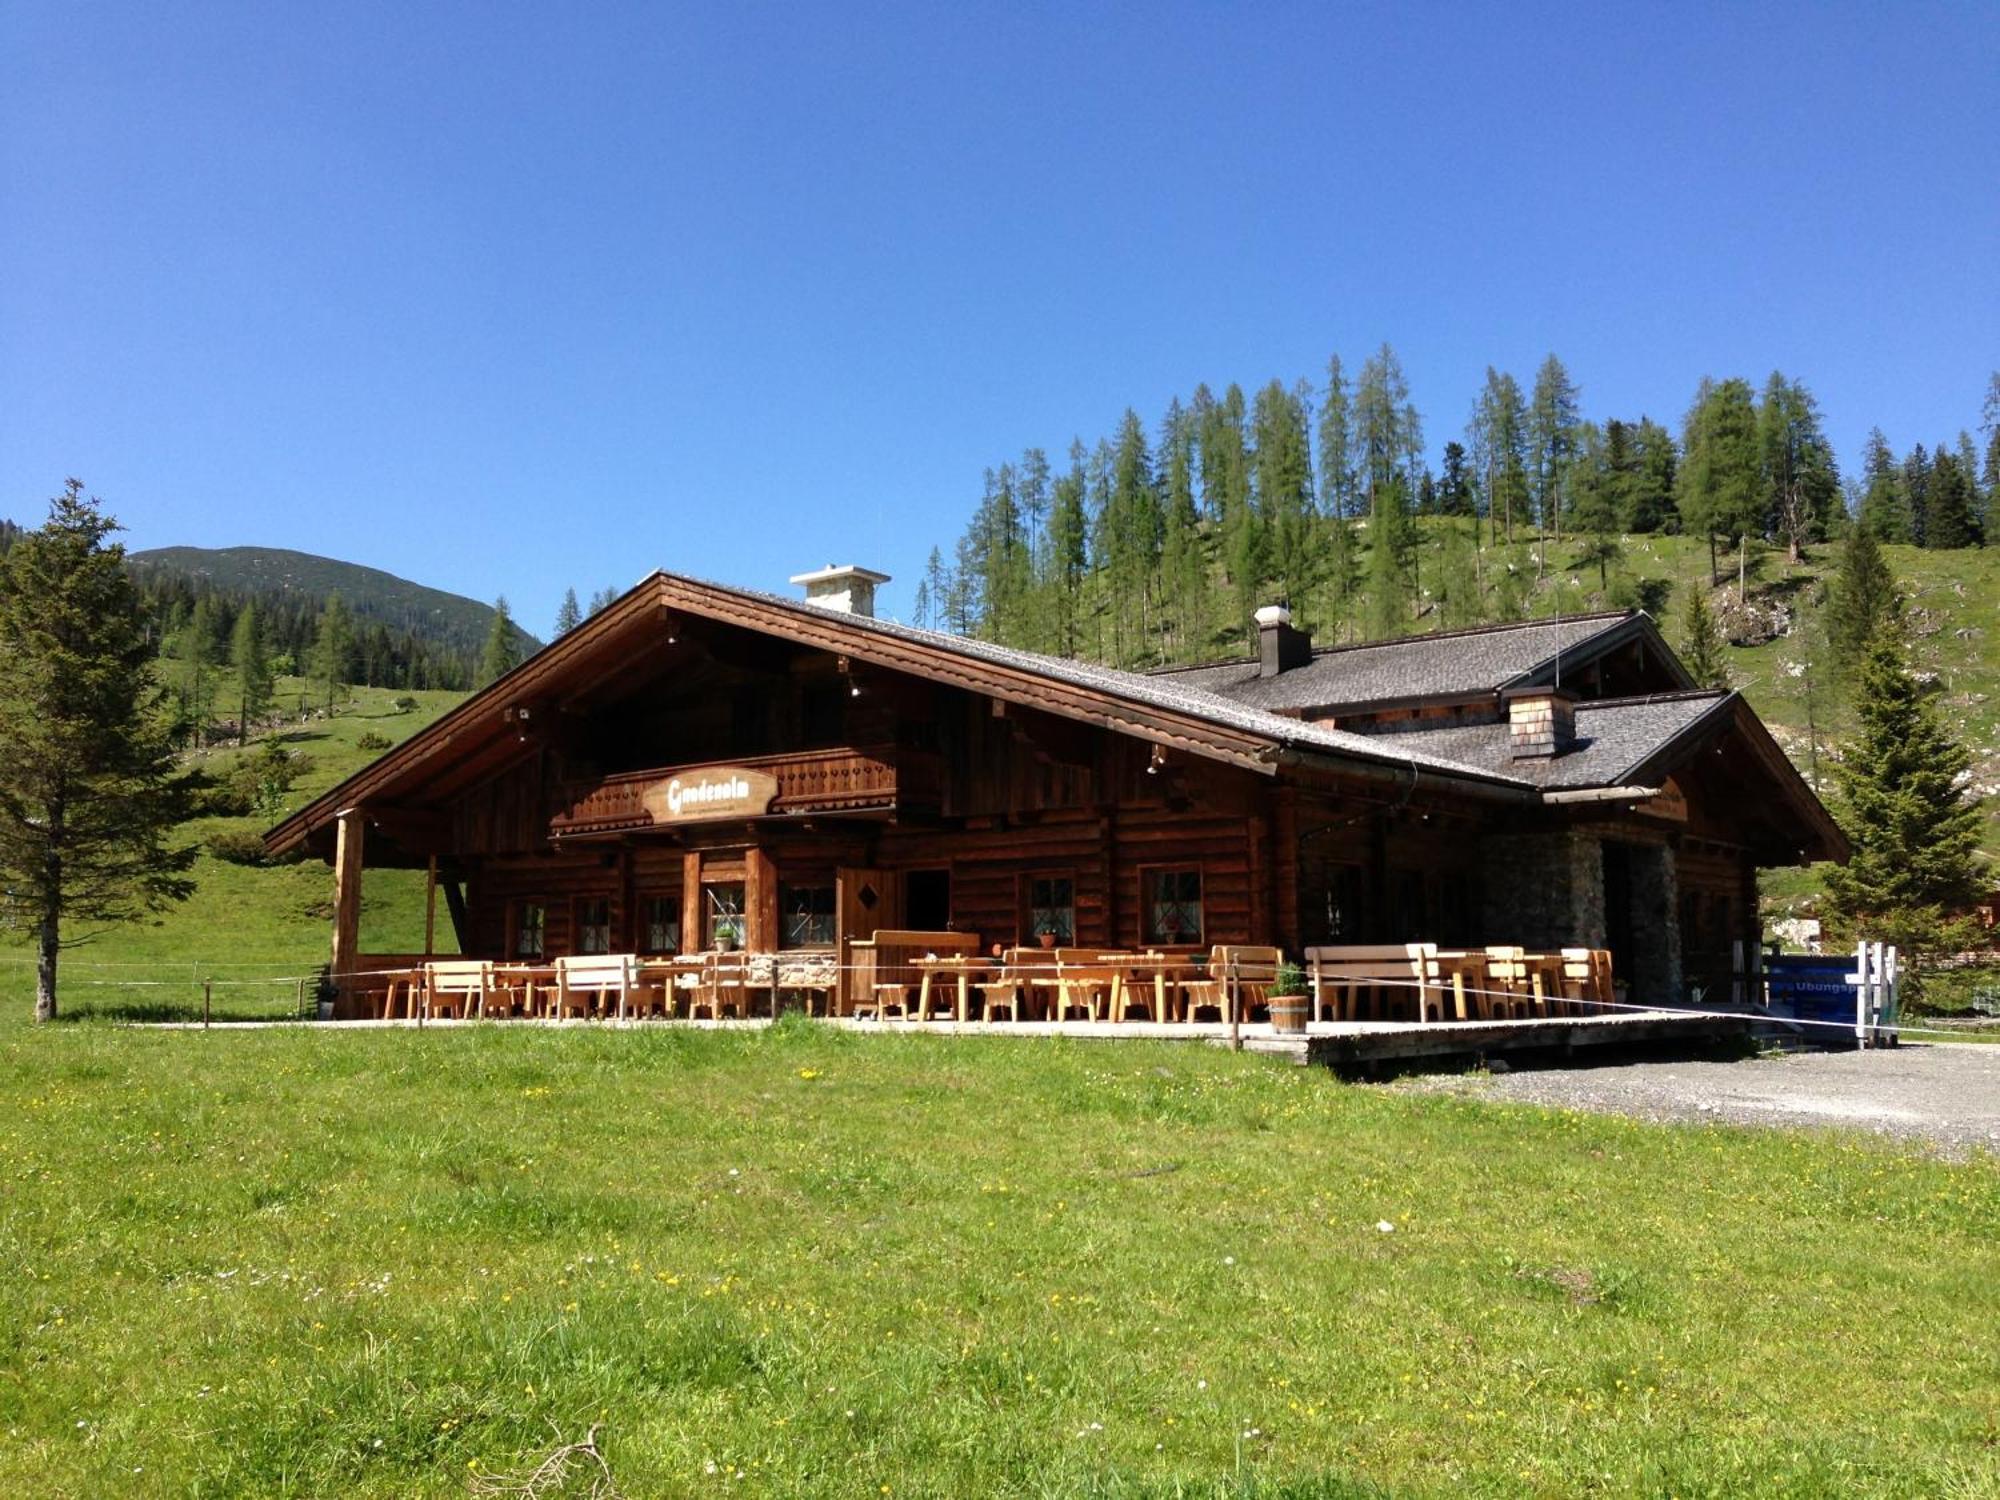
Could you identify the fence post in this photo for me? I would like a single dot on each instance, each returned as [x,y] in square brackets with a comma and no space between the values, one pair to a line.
[300,1011]
[1235,1007]
[207,1001]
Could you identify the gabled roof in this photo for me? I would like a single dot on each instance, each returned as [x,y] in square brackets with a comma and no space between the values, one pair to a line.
[491,730]
[484,734]
[1443,665]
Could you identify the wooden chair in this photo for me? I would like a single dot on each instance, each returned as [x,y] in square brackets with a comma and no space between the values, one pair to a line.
[1008,986]
[724,985]
[457,986]
[1239,979]
[1513,984]
[1586,981]
[1464,974]
[598,982]
[1084,981]
[1391,979]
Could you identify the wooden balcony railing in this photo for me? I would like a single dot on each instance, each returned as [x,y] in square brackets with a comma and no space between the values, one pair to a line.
[878,778]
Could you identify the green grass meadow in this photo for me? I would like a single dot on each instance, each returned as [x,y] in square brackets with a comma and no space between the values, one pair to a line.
[799,1262]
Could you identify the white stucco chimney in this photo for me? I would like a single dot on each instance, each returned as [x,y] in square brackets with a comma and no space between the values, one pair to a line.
[846,589]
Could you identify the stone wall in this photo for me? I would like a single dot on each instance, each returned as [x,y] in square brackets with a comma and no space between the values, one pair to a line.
[1656,927]
[1544,890]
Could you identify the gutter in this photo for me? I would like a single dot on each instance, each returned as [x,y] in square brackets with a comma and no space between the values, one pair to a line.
[1601,794]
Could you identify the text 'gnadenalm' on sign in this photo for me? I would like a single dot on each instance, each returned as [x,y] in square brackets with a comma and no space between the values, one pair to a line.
[706,796]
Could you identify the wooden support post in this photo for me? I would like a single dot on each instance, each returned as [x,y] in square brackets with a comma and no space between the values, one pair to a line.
[207,1001]
[691,925]
[347,861]
[430,907]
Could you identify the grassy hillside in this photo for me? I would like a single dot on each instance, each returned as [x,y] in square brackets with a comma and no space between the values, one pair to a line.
[803,1263]
[450,620]
[252,929]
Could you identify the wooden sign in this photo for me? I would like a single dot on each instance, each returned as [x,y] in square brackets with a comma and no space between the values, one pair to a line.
[712,794]
[1669,803]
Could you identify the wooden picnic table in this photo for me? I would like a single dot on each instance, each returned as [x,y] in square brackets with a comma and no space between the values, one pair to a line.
[959,969]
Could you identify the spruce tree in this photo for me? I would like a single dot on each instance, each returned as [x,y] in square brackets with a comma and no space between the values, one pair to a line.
[1861,602]
[1336,446]
[1913,824]
[1952,512]
[568,614]
[1720,488]
[1701,642]
[251,658]
[1650,499]
[500,654]
[89,790]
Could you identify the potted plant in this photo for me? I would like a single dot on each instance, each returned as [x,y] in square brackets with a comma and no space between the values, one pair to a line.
[1046,935]
[1289,1001]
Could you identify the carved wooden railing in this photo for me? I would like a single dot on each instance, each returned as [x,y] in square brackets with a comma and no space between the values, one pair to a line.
[875,778]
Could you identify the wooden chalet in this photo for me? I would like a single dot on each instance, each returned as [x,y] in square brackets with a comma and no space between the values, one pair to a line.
[698,764]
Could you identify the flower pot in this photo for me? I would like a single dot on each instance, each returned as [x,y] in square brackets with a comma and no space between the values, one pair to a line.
[1288,1013]
[1047,940]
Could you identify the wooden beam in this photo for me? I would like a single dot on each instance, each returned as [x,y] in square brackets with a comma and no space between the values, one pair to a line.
[351,835]
[760,901]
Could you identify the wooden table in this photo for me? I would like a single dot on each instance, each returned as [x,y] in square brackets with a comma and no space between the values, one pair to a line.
[1163,973]
[959,967]
[410,983]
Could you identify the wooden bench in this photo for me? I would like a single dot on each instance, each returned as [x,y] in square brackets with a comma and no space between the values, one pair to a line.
[1239,979]
[888,975]
[1514,984]
[459,986]
[1389,979]
[588,982]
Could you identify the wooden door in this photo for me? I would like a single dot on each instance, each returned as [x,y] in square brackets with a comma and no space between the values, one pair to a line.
[863,901]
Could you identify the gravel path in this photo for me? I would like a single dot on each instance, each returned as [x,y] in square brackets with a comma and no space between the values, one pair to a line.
[1947,1097]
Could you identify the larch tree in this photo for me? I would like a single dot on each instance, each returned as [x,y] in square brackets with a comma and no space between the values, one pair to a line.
[1885,509]
[1907,809]
[1068,551]
[1498,438]
[1282,480]
[1552,417]
[250,655]
[568,614]
[500,654]
[1336,446]
[1801,479]
[89,789]
[333,649]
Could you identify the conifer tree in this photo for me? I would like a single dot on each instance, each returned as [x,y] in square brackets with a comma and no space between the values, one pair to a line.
[1498,438]
[252,659]
[333,649]
[1913,823]
[1952,519]
[1861,602]
[1801,479]
[1917,493]
[1282,476]
[1885,509]
[568,614]
[1068,551]
[1720,480]
[1455,495]
[500,654]
[1552,418]
[1701,642]
[89,790]
[1389,545]
[602,600]
[1650,499]
[1336,446]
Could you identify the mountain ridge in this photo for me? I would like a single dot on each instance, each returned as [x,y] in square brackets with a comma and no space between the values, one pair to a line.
[451,620]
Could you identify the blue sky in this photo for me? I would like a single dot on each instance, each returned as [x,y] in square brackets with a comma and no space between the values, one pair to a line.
[508,297]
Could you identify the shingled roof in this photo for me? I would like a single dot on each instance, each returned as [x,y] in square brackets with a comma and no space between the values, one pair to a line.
[1444,664]
[1617,740]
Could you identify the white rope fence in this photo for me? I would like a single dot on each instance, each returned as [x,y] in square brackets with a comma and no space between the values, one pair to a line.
[203,976]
